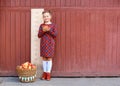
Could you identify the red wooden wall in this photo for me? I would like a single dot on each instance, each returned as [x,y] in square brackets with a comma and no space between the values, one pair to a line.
[88,41]
[14,39]
[60,3]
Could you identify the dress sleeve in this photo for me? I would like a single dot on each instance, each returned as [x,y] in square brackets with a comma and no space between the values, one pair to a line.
[53,31]
[40,33]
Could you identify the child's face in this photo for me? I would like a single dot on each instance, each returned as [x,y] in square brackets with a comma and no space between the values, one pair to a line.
[46,17]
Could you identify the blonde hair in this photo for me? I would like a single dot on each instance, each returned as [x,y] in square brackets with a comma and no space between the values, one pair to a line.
[47,11]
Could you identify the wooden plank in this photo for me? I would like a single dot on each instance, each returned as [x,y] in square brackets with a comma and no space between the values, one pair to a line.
[68,42]
[58,45]
[22,3]
[8,40]
[58,3]
[114,38]
[78,41]
[39,3]
[22,37]
[33,3]
[13,3]
[62,3]
[42,3]
[17,4]
[3,46]
[101,41]
[28,3]
[58,53]
[18,37]
[27,36]
[93,41]
[63,38]
[118,41]
[108,37]
[56,56]
[86,3]
[86,40]
[73,39]
[13,43]
[52,3]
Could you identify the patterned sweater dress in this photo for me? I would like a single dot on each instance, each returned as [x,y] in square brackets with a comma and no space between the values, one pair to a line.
[47,44]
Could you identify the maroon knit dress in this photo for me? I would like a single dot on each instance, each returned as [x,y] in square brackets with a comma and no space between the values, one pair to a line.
[47,44]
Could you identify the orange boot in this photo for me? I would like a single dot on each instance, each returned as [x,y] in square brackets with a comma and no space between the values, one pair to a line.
[44,76]
[48,77]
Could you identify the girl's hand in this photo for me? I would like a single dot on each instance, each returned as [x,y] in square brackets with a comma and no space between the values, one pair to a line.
[46,28]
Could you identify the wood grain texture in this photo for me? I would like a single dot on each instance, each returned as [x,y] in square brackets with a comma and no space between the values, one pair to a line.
[59,3]
[87,42]
[15,40]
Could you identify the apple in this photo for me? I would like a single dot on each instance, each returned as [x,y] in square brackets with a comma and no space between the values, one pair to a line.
[33,66]
[24,66]
[29,67]
[20,67]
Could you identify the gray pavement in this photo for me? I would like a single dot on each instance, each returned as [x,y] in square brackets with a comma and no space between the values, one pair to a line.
[13,81]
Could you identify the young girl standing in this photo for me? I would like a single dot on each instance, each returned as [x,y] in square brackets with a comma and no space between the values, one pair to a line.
[47,33]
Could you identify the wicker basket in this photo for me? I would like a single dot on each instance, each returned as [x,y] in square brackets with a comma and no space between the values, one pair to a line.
[26,75]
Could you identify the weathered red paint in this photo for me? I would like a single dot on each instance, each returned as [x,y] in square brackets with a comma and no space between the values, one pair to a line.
[88,42]
[15,40]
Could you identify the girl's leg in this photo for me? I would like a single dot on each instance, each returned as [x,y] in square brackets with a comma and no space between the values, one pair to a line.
[44,75]
[49,64]
[44,64]
[49,67]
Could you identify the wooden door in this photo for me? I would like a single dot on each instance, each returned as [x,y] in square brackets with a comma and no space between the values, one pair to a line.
[14,39]
[88,42]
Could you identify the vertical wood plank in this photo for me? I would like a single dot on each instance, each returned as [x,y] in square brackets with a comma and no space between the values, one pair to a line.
[68,42]
[93,41]
[63,38]
[118,40]
[28,3]
[62,3]
[78,41]
[18,3]
[72,41]
[13,43]
[18,38]
[58,3]
[3,42]
[27,36]
[22,37]
[8,39]
[22,3]
[33,3]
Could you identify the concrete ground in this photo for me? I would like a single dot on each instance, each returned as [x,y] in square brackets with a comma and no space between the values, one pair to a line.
[13,81]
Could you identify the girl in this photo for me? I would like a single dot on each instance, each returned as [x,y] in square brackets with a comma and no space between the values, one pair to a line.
[47,33]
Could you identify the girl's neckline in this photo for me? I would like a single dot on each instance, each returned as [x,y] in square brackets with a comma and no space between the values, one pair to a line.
[48,23]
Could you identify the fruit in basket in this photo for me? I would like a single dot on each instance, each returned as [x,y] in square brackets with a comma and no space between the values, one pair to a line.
[33,66]
[20,67]
[26,72]
[27,65]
